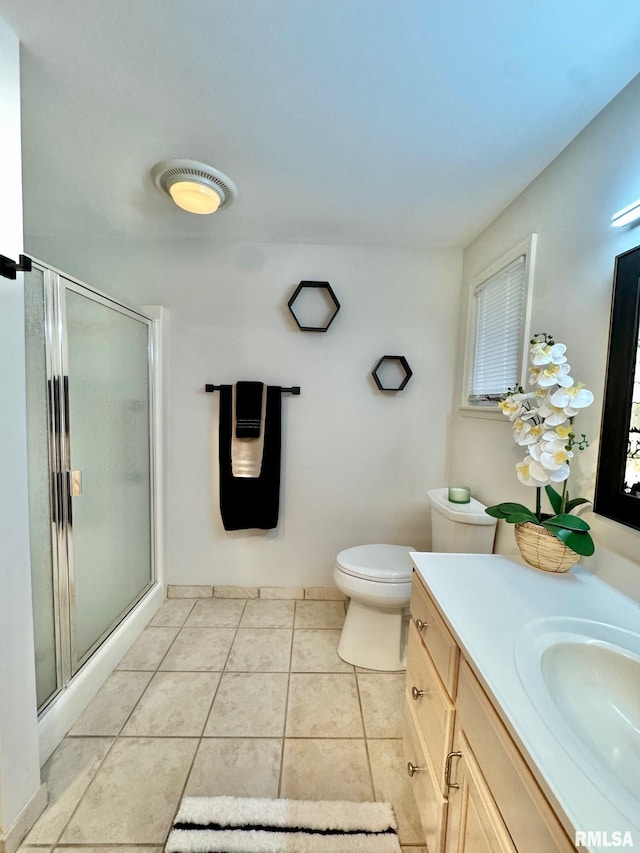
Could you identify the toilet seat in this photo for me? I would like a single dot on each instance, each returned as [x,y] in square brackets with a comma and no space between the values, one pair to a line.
[381,563]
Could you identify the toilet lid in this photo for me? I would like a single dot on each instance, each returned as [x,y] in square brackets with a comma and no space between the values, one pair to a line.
[384,563]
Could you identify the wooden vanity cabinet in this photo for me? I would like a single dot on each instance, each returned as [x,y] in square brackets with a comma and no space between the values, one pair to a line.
[474,791]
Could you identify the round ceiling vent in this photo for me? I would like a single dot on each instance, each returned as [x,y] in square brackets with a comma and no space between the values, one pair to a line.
[194,186]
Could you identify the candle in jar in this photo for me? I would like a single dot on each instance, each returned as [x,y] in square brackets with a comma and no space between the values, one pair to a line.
[459,494]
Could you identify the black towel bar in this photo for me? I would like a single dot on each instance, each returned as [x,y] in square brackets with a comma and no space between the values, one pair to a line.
[295,389]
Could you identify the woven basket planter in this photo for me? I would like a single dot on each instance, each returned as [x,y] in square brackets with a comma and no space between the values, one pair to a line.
[542,550]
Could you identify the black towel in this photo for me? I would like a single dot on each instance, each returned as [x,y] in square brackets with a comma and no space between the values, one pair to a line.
[247,502]
[248,409]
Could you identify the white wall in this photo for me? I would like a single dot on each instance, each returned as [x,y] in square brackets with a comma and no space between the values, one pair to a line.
[356,463]
[569,206]
[19,766]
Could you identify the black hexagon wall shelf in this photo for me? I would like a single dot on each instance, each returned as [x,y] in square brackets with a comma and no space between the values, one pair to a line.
[392,373]
[314,306]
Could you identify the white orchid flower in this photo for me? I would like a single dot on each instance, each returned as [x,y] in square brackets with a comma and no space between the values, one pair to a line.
[534,374]
[544,354]
[560,433]
[555,374]
[555,455]
[510,408]
[530,436]
[560,474]
[535,451]
[572,399]
[552,415]
[525,473]
[520,430]
[556,418]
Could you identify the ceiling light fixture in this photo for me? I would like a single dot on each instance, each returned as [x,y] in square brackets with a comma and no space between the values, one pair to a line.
[194,186]
[627,215]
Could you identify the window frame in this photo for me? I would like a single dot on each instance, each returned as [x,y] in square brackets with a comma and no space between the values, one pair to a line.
[528,249]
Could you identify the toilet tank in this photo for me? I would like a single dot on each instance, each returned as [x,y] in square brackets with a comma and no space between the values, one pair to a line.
[460,528]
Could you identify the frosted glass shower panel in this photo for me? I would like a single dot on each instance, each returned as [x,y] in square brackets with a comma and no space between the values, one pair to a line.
[40,491]
[109,429]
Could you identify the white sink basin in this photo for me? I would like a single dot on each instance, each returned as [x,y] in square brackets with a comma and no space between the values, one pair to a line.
[584,679]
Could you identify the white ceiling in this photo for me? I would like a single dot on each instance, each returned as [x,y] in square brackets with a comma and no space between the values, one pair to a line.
[404,122]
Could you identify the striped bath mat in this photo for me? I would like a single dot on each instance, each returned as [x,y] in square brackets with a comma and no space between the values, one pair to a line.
[254,825]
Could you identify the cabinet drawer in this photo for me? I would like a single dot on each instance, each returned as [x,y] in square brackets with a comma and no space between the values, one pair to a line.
[531,822]
[435,635]
[433,710]
[432,806]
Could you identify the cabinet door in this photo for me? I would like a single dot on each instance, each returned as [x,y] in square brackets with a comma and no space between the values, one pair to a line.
[474,824]
[432,806]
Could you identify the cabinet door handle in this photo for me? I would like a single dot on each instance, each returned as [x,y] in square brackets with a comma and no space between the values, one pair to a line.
[447,770]
[412,768]
[416,694]
[420,625]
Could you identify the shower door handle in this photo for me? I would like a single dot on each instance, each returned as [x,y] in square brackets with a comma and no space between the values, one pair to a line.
[75,483]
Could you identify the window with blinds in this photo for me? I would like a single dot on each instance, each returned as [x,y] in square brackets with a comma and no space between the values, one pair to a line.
[500,308]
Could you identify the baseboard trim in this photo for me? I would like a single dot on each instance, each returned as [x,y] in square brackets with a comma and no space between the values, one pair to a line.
[17,832]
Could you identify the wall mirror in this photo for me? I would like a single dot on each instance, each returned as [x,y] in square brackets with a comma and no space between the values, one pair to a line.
[618,483]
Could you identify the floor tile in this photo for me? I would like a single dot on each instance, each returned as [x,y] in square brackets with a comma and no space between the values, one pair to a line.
[199,649]
[67,773]
[323,705]
[249,704]
[216,613]
[134,795]
[315,651]
[260,650]
[175,704]
[173,612]
[237,767]
[319,614]
[268,614]
[149,649]
[382,700]
[391,784]
[325,770]
[109,709]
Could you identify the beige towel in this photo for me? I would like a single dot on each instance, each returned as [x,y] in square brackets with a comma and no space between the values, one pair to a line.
[246,453]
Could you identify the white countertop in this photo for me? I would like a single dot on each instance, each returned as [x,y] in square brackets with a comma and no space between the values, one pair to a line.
[486,601]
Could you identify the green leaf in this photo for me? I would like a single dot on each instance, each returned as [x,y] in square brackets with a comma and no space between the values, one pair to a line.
[569,522]
[495,511]
[521,517]
[572,504]
[579,541]
[512,513]
[555,499]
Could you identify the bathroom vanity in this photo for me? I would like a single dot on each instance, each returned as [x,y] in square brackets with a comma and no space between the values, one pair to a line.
[500,656]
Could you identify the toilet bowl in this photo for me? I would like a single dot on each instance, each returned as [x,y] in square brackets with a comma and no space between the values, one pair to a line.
[377,580]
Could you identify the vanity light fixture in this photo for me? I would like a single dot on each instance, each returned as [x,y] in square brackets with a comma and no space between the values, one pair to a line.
[627,215]
[193,186]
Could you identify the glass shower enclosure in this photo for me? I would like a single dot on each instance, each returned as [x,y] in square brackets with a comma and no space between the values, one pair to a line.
[91,478]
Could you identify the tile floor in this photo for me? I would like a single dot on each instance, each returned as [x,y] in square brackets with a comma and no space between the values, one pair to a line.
[225,696]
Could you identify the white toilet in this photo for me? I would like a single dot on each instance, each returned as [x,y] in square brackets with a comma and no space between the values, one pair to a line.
[377,579]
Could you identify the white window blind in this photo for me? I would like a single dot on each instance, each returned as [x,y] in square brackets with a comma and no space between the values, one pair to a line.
[500,309]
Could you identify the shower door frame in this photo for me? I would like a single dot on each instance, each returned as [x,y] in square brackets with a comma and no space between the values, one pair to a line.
[55,285]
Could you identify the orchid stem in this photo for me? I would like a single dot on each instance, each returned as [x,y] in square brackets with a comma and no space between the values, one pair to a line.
[563,503]
[538,504]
